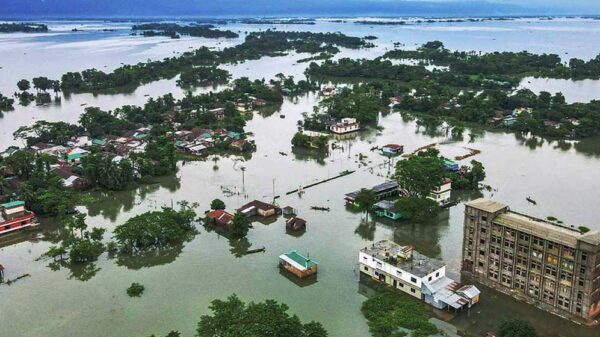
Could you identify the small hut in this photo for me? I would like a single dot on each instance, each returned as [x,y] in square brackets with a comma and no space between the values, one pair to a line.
[295,224]
[298,264]
[288,211]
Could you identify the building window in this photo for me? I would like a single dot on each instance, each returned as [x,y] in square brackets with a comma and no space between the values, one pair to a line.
[483,218]
[412,290]
[429,278]
[538,241]
[366,268]
[552,259]
[437,274]
[413,280]
[399,273]
[523,236]
[551,270]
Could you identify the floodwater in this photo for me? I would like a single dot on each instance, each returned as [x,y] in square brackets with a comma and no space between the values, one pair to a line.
[563,178]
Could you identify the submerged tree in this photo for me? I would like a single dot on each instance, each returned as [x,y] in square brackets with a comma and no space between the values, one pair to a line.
[270,318]
[240,225]
[365,199]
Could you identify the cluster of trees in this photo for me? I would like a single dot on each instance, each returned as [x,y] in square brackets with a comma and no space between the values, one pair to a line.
[23,28]
[135,290]
[386,313]
[361,101]
[155,229]
[6,103]
[371,69]
[509,64]
[41,189]
[172,29]
[421,173]
[233,317]
[199,76]
[320,143]
[81,245]
[255,46]
[516,328]
[288,85]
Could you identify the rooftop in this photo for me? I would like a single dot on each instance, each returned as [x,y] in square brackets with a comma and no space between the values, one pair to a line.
[486,205]
[298,260]
[381,188]
[13,204]
[387,251]
[546,229]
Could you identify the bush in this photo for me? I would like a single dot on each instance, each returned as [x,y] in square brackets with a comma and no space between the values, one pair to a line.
[135,289]
[516,328]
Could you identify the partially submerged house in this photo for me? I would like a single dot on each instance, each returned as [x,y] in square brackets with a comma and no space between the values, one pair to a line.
[295,224]
[392,150]
[219,217]
[298,264]
[441,193]
[382,191]
[388,209]
[14,216]
[346,125]
[259,208]
[288,211]
[422,277]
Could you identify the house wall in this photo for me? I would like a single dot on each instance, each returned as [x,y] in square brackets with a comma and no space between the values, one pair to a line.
[266,213]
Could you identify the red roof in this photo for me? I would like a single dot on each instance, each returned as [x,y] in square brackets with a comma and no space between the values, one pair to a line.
[220,216]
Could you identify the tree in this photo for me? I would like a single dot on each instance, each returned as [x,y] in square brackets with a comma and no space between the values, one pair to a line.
[365,199]
[217,204]
[477,173]
[516,328]
[420,174]
[42,83]
[135,289]
[240,225]
[23,85]
[270,318]
[417,209]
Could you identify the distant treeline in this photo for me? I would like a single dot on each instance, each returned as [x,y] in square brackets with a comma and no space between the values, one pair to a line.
[255,46]
[23,28]
[172,29]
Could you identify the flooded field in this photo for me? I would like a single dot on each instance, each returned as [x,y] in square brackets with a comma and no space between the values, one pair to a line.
[563,178]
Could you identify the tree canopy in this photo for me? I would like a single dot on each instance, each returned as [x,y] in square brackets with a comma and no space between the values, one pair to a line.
[516,328]
[233,317]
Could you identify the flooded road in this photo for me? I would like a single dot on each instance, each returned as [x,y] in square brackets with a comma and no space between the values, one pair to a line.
[563,177]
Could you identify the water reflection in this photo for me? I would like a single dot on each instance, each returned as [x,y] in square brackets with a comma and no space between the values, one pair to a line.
[78,271]
[306,155]
[151,257]
[300,282]
[366,229]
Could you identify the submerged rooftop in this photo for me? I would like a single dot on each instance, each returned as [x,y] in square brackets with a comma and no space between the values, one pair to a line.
[416,264]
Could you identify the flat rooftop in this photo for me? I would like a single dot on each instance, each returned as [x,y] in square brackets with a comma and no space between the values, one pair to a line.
[546,229]
[486,205]
[387,251]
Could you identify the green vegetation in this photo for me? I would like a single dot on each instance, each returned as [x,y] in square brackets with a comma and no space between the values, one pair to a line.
[23,28]
[240,225]
[155,229]
[135,290]
[81,245]
[516,328]
[421,173]
[199,76]
[217,204]
[47,132]
[302,140]
[365,199]
[255,46]
[509,64]
[583,229]
[173,29]
[362,101]
[479,89]
[40,188]
[6,104]
[270,318]
[386,313]
[417,209]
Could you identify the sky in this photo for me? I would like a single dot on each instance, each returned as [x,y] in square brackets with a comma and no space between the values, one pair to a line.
[213,8]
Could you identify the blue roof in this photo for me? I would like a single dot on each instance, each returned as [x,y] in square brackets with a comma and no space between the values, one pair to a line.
[13,204]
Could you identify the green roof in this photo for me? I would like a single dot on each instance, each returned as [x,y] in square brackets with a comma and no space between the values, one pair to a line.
[13,204]
[98,142]
[301,259]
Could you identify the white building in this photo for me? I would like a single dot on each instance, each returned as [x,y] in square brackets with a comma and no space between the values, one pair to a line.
[441,194]
[425,278]
[346,125]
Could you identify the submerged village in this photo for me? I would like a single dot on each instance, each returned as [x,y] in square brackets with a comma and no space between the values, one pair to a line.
[64,168]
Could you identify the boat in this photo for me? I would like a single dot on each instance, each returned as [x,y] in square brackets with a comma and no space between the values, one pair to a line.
[282,116]
[319,208]
[531,200]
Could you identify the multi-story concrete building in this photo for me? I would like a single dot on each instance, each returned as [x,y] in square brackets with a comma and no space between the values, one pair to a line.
[420,276]
[554,266]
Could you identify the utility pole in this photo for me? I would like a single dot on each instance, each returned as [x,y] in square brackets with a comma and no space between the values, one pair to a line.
[243,168]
